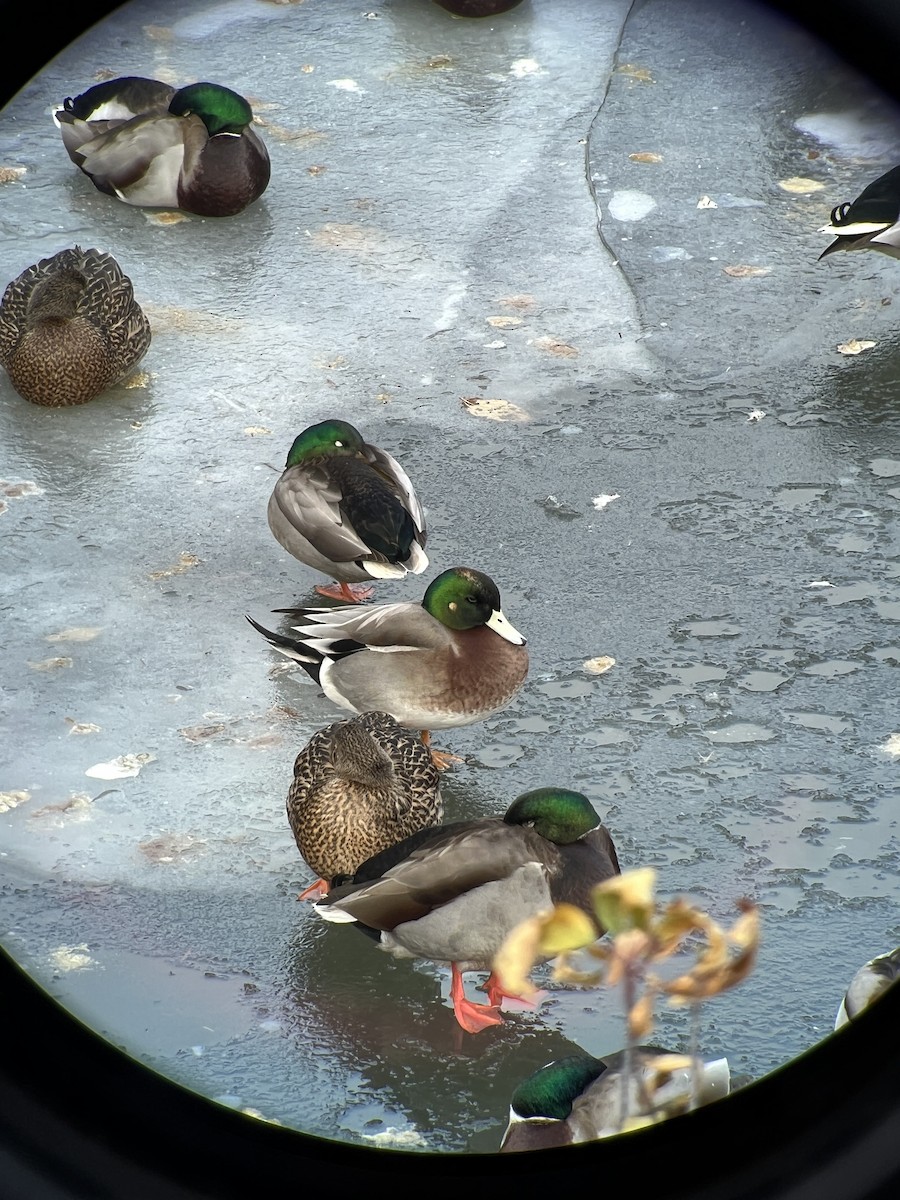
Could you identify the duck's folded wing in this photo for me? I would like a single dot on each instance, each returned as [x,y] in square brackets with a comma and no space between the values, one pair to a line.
[310,502]
[449,862]
[390,469]
[126,154]
[383,627]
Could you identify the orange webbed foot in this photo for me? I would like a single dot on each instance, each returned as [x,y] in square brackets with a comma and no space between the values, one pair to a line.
[319,888]
[348,593]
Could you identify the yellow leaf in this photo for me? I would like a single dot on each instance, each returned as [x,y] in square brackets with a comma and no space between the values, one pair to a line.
[504,322]
[645,156]
[800,185]
[514,960]
[625,901]
[494,410]
[634,72]
[743,271]
[640,1019]
[598,666]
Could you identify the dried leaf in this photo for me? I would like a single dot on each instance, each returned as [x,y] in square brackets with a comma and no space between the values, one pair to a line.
[50,664]
[744,271]
[553,345]
[494,409]
[78,633]
[257,431]
[514,960]
[16,491]
[140,379]
[200,733]
[640,1018]
[642,74]
[855,346]
[126,766]
[160,217]
[521,301]
[170,847]
[82,727]
[10,174]
[800,185]
[626,901]
[185,562]
[10,800]
[598,666]
[645,156]
[504,322]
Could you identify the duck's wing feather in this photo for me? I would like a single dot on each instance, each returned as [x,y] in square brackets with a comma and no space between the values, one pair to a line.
[445,864]
[124,156]
[388,467]
[311,501]
[382,627]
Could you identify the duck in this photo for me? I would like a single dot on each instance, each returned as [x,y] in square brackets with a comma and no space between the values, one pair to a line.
[70,327]
[450,660]
[578,1098]
[870,982]
[451,895]
[152,145]
[871,221]
[360,785]
[348,509]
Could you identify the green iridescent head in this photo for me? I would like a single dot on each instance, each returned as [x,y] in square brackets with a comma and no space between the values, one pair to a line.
[551,1091]
[557,814]
[219,108]
[326,438]
[463,598]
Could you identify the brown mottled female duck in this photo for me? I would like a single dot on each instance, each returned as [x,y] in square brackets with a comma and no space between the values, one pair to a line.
[359,786]
[70,327]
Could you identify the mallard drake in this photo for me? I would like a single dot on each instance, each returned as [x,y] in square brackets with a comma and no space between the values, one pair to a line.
[451,895]
[871,222]
[458,659]
[347,509]
[157,146]
[359,786]
[871,981]
[579,1098]
[70,327]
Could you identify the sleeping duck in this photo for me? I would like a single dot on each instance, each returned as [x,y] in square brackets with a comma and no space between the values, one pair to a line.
[347,509]
[452,894]
[156,146]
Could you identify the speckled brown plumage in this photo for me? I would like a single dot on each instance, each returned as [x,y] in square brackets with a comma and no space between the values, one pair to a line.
[360,786]
[70,327]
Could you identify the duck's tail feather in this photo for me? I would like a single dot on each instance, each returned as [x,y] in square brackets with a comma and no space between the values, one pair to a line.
[309,658]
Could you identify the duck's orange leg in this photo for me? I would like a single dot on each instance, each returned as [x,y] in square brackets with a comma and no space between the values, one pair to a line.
[442,759]
[349,593]
[319,888]
[471,1016]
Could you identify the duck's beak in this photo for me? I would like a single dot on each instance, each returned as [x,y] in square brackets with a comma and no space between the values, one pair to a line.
[500,625]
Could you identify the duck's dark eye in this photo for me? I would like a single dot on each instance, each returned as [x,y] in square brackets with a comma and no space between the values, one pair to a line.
[471,599]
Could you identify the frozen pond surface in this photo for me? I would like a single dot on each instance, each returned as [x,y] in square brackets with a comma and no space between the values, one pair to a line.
[455,212]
